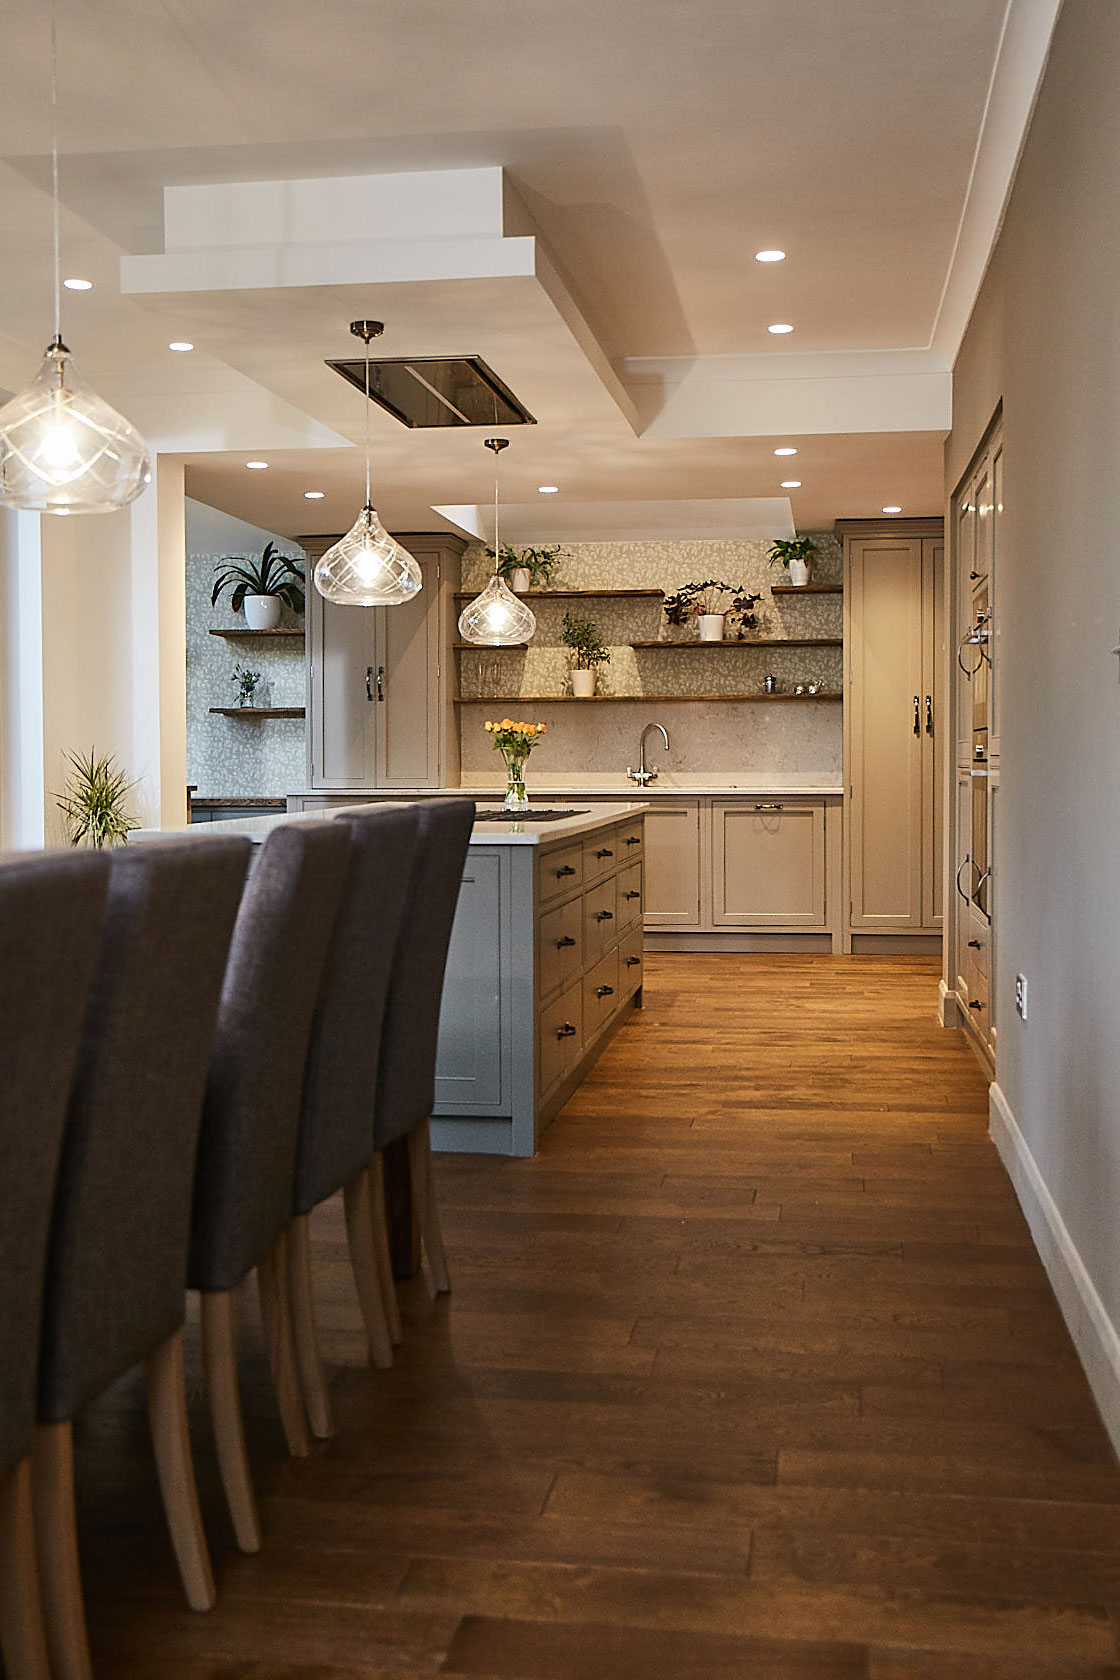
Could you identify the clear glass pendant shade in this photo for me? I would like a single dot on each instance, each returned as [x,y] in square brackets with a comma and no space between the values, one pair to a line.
[63,449]
[497,617]
[367,567]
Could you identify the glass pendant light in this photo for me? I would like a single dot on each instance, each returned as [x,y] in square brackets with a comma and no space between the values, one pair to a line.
[497,617]
[63,449]
[367,567]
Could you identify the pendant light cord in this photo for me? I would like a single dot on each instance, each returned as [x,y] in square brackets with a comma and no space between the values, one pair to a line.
[54,174]
[368,502]
[497,546]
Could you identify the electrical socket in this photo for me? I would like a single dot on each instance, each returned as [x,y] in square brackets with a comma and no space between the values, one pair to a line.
[1021,996]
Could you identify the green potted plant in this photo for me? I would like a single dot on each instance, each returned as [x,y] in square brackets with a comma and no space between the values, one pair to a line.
[527,568]
[93,801]
[259,586]
[709,603]
[246,681]
[586,651]
[797,554]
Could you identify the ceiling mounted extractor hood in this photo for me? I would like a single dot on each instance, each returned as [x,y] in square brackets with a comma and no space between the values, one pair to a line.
[438,391]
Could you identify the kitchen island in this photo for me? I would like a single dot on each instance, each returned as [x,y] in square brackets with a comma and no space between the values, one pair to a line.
[545,964]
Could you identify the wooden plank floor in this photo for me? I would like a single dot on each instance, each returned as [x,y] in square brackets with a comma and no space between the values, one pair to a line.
[752,1372]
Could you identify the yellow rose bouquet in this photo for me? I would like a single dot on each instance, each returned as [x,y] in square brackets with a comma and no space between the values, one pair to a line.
[515,741]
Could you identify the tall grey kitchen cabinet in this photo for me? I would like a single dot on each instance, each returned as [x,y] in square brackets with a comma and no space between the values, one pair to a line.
[379,705]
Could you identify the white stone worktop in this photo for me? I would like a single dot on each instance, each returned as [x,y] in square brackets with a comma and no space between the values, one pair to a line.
[511,832]
[770,785]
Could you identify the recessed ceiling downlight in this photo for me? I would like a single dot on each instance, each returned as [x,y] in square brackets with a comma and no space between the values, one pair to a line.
[76,285]
[548,489]
[791,484]
[779,327]
[892,509]
[769,256]
[257,466]
[182,345]
[313,495]
[788,450]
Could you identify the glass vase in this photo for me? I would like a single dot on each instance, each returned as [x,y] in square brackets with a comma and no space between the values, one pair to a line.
[516,798]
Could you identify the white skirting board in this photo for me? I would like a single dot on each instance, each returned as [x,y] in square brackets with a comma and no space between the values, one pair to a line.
[1094,1335]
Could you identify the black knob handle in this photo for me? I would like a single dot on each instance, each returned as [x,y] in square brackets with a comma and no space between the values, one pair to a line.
[632,962]
[972,576]
[566,870]
[604,916]
[634,840]
[632,895]
[566,1031]
[604,991]
[605,852]
[567,940]
[974,944]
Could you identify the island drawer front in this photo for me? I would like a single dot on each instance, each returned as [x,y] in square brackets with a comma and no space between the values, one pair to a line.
[560,872]
[600,854]
[630,963]
[600,919]
[629,840]
[600,995]
[561,1036]
[561,946]
[629,894]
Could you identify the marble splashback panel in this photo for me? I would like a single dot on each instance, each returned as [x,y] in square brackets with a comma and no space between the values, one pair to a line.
[717,734]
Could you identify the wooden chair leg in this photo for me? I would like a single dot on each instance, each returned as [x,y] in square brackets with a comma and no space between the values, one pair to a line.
[219,1353]
[56,1542]
[22,1643]
[382,1254]
[363,1261]
[424,1201]
[272,1286]
[309,1361]
[167,1415]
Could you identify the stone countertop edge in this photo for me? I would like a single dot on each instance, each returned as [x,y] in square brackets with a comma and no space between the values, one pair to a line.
[765,787]
[511,832]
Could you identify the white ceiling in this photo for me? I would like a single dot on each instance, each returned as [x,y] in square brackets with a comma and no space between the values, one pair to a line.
[655,147]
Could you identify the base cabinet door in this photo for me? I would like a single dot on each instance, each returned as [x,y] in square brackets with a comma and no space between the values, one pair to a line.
[672,865]
[768,865]
[471,1064]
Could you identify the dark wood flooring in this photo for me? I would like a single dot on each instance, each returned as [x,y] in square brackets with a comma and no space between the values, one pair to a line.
[753,1371]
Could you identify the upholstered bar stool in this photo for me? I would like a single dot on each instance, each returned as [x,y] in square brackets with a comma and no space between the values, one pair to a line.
[247,1148]
[339,1085]
[116,1274]
[407,1067]
[50,924]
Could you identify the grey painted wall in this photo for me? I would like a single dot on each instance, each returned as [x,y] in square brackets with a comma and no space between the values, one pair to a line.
[1045,336]
[237,757]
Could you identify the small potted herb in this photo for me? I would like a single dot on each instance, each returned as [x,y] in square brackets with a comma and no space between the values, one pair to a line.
[94,801]
[246,681]
[586,651]
[259,586]
[705,602]
[527,568]
[797,555]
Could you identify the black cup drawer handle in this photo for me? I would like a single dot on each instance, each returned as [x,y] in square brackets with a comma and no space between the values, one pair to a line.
[604,916]
[566,1031]
[632,895]
[561,944]
[634,840]
[975,1005]
[565,870]
[604,991]
[632,962]
[974,944]
[605,852]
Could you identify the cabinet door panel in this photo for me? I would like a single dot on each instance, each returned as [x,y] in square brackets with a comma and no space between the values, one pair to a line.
[884,724]
[966,566]
[672,865]
[407,721]
[933,750]
[768,867]
[994,605]
[962,885]
[341,653]
[470,1066]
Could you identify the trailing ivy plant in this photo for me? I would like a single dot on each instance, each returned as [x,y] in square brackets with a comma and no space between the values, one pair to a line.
[273,574]
[93,801]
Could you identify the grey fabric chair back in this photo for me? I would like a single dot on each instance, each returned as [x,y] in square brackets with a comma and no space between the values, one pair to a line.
[246,1157]
[50,923]
[117,1265]
[335,1136]
[407,1072]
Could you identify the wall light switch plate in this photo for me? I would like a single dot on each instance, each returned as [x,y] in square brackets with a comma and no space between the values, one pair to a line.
[1021,996]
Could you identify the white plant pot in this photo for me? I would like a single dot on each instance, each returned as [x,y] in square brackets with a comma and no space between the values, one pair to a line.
[583,685]
[520,579]
[799,573]
[262,612]
[711,627]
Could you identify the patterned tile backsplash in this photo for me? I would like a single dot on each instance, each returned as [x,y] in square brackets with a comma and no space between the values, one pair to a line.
[721,735]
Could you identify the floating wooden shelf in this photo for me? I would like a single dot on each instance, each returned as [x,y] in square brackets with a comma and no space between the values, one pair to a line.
[574,594]
[257,711]
[807,589]
[756,641]
[631,699]
[237,634]
[474,647]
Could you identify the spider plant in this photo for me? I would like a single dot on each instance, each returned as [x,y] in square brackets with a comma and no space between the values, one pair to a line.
[273,574]
[93,801]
